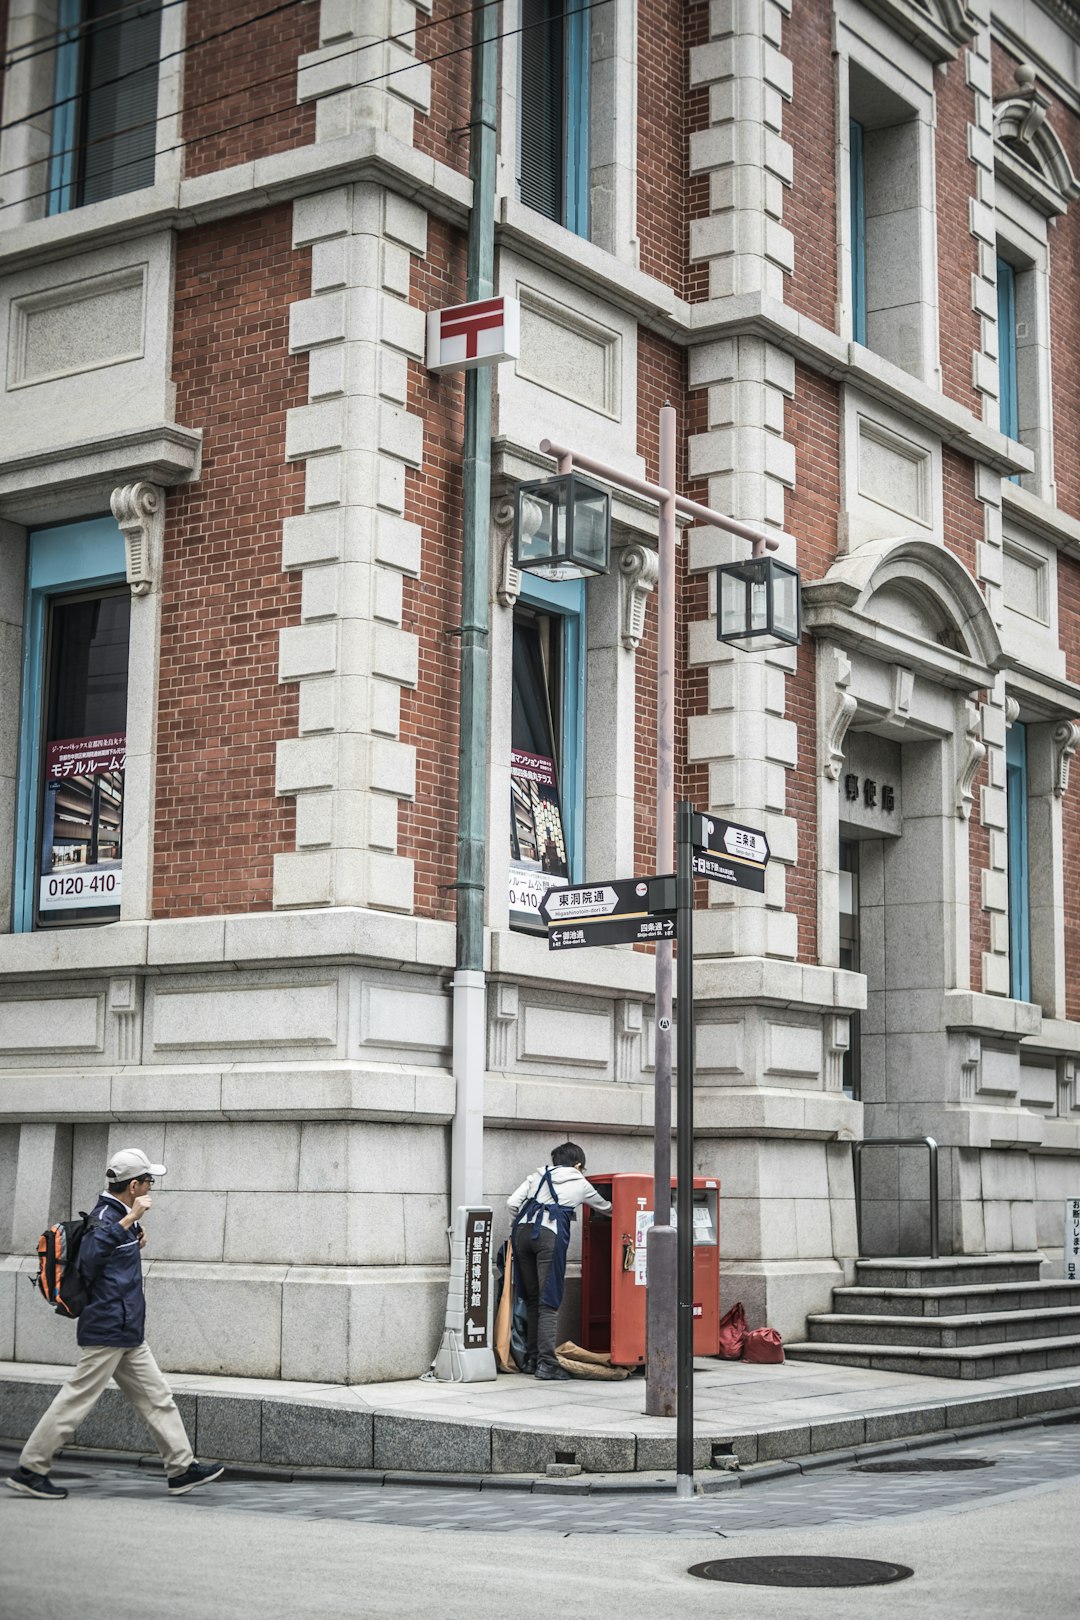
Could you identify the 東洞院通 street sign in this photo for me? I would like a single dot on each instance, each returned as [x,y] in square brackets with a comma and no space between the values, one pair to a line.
[726,852]
[616,911]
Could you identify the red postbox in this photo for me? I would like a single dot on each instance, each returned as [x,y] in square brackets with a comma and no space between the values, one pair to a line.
[614,1275]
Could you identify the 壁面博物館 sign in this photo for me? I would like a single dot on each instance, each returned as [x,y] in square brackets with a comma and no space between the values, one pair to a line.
[616,911]
[726,852]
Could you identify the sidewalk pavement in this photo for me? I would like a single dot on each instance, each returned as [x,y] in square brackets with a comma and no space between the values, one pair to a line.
[518,1426]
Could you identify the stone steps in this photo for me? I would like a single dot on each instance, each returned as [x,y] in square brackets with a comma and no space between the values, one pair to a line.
[945,1332]
[963,1316]
[976,1298]
[902,1271]
[973,1361]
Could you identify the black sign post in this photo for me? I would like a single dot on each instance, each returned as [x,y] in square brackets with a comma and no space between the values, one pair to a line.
[684,1160]
[617,911]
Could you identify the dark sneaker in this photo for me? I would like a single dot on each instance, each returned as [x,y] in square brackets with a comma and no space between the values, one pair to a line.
[28,1483]
[197,1474]
[545,1372]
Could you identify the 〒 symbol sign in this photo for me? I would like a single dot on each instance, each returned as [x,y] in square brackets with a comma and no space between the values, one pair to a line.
[469,335]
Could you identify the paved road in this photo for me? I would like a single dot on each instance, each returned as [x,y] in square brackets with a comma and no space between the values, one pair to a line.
[986,1545]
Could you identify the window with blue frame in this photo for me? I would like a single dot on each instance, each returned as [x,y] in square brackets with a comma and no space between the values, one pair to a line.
[73,726]
[1016,784]
[104,131]
[547,759]
[858,232]
[553,137]
[1010,394]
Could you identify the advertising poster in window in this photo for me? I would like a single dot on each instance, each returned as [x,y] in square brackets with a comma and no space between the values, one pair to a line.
[537,840]
[82,824]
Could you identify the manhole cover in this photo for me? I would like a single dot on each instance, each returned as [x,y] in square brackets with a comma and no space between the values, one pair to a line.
[790,1571]
[923,1465]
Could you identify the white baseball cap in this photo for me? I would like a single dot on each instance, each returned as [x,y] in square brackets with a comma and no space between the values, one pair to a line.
[128,1163]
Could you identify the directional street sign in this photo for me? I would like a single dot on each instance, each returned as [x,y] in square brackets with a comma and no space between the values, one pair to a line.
[616,911]
[728,853]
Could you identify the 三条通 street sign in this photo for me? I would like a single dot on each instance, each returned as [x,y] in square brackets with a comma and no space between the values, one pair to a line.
[617,911]
[725,852]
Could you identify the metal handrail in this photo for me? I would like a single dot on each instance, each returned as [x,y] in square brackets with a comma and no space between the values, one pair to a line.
[898,1141]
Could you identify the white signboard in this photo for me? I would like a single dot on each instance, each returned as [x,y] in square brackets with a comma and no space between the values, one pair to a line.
[642,1225]
[469,335]
[1072,1240]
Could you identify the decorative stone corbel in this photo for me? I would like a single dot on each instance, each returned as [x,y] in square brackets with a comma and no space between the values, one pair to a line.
[837,1045]
[970,1063]
[1065,738]
[639,567]
[1012,712]
[1066,1086]
[974,752]
[508,588]
[124,1006]
[841,715]
[903,689]
[139,510]
[629,1028]
[504,1016]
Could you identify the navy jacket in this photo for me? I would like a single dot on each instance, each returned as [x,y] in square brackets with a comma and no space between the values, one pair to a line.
[111,1266]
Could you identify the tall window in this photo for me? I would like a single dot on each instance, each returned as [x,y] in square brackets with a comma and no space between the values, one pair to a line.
[1010,395]
[554,134]
[104,131]
[849,954]
[858,233]
[1016,783]
[547,754]
[72,745]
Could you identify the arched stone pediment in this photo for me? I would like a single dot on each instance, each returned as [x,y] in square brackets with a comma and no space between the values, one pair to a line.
[1029,154]
[910,602]
[937,28]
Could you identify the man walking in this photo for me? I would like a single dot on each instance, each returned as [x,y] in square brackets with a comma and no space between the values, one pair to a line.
[110,1337]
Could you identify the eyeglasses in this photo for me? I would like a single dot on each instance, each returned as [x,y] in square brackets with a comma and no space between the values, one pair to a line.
[144,1181]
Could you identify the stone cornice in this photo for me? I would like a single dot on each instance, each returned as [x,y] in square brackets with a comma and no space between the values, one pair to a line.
[82,476]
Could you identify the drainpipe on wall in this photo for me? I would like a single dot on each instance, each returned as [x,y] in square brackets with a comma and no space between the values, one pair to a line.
[470,1011]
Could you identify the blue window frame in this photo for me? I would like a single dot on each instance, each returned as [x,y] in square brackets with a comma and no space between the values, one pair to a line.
[858,233]
[548,738]
[553,140]
[1010,396]
[62,560]
[1016,783]
[104,130]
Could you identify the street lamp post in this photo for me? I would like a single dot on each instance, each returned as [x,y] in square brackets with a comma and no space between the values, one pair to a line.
[542,544]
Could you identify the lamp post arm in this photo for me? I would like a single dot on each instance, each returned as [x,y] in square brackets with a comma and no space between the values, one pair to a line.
[569,459]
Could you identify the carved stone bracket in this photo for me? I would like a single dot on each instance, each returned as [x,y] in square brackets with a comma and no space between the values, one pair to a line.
[840,717]
[1012,712]
[903,689]
[1066,1086]
[124,1006]
[970,1066]
[974,752]
[508,586]
[139,510]
[639,567]
[837,1044]
[1066,737]
[629,1028]
[504,1016]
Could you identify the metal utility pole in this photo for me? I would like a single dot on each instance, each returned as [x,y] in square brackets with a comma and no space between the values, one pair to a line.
[684,899]
[467,1136]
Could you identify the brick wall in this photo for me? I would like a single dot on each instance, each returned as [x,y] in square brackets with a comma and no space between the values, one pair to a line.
[812,422]
[240,91]
[965,524]
[957,250]
[810,127]
[221,707]
[662,214]
[696,276]
[427,828]
[444,42]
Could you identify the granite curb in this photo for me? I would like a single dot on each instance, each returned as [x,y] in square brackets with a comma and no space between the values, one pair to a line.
[651,1479]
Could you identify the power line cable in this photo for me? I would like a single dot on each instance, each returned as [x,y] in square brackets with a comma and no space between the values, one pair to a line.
[245,123]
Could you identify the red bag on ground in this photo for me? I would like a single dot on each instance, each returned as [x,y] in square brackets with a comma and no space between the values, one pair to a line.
[763,1344]
[732,1333]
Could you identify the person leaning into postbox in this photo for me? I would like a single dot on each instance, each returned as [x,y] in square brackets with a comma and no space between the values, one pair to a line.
[543,1207]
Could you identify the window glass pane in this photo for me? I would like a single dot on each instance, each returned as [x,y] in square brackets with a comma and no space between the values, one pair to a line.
[858,234]
[1010,403]
[82,798]
[578,20]
[120,80]
[542,143]
[538,852]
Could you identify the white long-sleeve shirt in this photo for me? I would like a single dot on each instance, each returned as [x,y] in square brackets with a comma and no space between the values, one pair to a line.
[571,1191]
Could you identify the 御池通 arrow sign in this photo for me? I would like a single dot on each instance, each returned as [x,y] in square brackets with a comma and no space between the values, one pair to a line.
[726,852]
[615,912]
[465,336]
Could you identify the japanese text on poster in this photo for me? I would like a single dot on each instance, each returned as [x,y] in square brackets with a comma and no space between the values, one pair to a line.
[82,819]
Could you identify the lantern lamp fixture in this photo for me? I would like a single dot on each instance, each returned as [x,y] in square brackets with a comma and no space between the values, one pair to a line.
[758,604]
[562,527]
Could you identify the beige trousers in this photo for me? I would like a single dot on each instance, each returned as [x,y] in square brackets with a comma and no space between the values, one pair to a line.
[140,1378]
